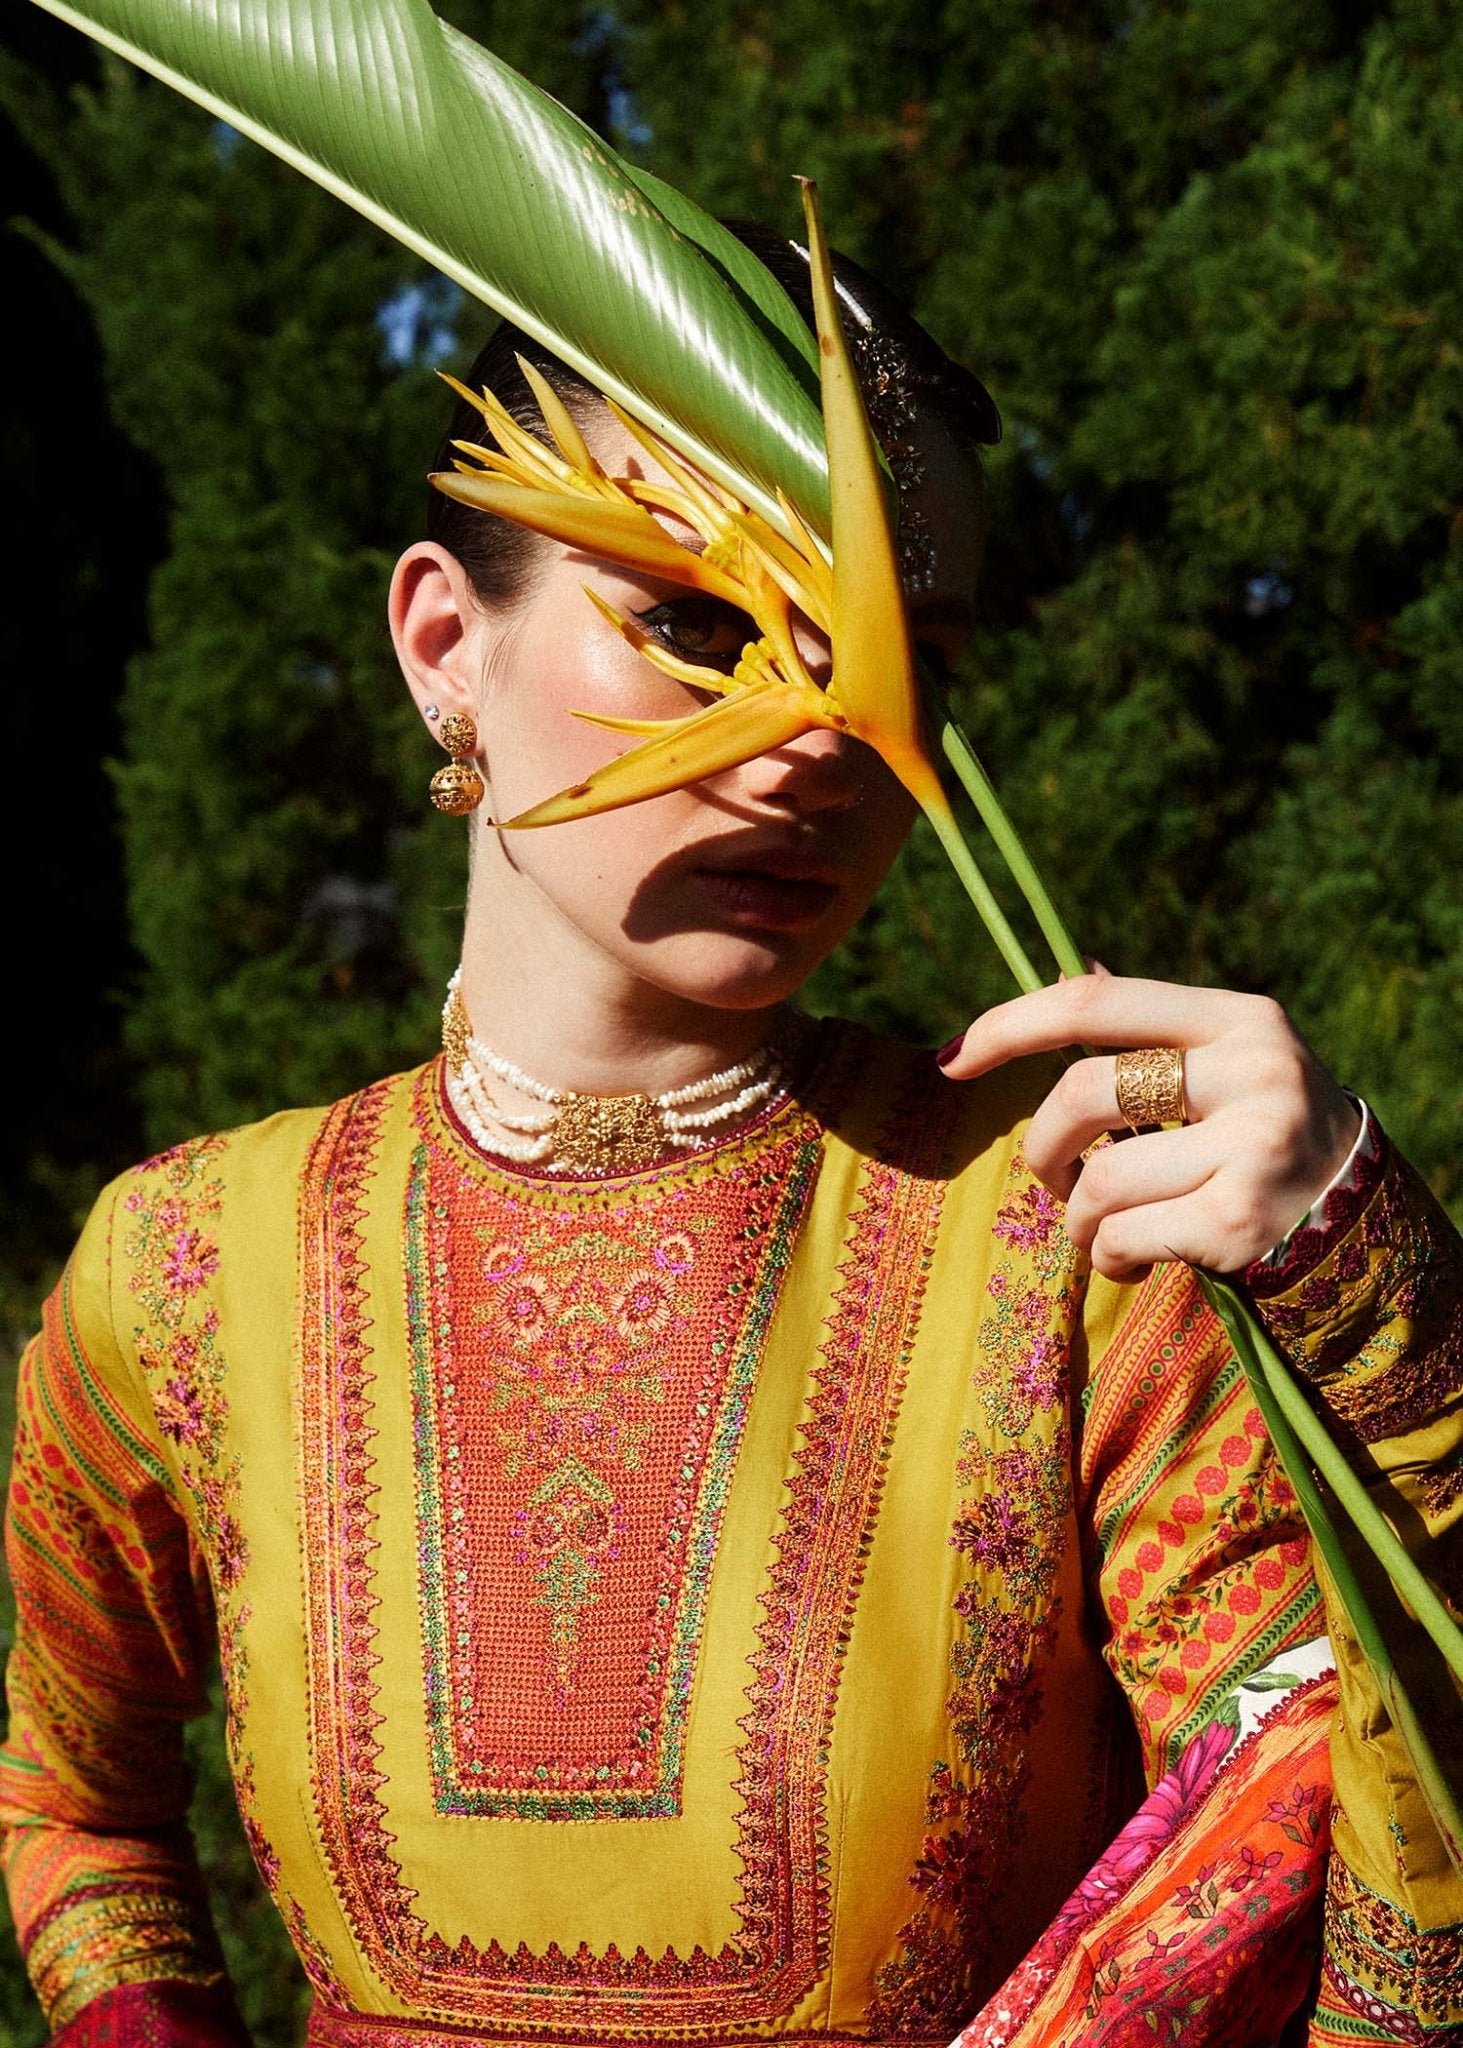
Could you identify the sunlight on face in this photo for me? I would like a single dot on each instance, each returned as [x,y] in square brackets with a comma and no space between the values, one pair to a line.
[728,893]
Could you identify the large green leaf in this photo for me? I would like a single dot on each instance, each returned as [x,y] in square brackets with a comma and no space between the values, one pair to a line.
[503,189]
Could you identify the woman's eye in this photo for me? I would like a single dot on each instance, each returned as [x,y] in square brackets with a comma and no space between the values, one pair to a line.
[700,629]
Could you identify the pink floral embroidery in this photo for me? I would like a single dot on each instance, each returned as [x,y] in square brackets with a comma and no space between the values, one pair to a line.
[190,1261]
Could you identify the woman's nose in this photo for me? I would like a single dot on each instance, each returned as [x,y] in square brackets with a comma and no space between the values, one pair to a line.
[817,771]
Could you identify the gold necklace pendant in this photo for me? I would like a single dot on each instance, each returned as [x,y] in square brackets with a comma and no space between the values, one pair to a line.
[608,1134]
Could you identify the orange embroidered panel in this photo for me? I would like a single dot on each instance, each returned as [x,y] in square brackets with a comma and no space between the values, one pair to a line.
[822,1534]
[580,1378]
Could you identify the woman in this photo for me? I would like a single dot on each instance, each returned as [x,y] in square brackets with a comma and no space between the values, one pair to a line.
[702,1547]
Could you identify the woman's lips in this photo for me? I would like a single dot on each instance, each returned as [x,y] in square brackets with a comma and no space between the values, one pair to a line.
[751,897]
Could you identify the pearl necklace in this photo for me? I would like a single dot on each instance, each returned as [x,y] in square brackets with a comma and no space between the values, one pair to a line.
[575,1133]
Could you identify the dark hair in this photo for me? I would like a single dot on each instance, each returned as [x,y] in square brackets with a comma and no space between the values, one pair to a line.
[901,369]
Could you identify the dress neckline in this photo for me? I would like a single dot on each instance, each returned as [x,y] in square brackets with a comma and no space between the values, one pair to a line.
[810,1086]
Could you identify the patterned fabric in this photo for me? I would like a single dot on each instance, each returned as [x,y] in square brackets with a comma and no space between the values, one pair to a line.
[155,2016]
[740,1212]
[735,1602]
[1203,1565]
[1206,1894]
[113,1624]
[1382,1969]
[581,1369]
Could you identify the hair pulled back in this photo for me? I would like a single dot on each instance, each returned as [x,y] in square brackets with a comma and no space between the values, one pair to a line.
[902,372]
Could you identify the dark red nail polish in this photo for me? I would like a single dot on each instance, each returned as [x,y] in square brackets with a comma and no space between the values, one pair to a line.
[947,1052]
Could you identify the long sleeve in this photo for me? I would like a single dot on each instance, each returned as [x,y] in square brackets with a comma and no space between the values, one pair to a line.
[1204,1919]
[1370,1310]
[1208,1611]
[113,1633]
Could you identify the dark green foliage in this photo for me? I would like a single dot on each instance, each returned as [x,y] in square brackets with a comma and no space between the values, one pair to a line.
[292,900]
[1206,257]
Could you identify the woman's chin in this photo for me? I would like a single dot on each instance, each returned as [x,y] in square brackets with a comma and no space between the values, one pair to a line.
[741,971]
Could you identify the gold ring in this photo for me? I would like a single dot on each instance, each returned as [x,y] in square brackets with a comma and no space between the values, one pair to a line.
[1151,1087]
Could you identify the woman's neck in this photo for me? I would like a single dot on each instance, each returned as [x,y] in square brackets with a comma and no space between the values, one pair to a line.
[543,996]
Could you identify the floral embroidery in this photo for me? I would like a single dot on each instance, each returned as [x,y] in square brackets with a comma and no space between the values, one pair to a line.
[266,1862]
[580,1376]
[171,1211]
[313,1954]
[1374,1323]
[1010,1528]
[1385,1955]
[171,1247]
[1443,1487]
[811,1590]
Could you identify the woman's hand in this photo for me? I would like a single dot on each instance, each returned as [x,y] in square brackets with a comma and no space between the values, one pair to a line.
[1268,1126]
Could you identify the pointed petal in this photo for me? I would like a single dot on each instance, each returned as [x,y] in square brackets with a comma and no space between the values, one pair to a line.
[486,458]
[808,583]
[642,728]
[613,529]
[723,736]
[700,490]
[774,615]
[804,538]
[663,497]
[518,446]
[560,421]
[873,664]
[688,672]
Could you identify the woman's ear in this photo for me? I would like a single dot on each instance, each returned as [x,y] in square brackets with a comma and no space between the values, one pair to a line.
[437,628]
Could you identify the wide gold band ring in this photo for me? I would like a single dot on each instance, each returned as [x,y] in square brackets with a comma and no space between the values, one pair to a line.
[1151,1086]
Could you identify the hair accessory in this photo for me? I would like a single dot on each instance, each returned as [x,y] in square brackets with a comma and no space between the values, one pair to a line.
[592,1134]
[458,787]
[1150,1086]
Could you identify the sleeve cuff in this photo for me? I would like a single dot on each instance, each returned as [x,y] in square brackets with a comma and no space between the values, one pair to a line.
[1330,1217]
[156,2015]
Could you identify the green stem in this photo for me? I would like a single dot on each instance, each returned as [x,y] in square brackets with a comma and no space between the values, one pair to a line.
[1294,1430]
[1302,1442]
[978,889]
[1318,1450]
[978,787]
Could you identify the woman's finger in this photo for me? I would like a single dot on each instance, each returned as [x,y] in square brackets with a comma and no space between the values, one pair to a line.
[1105,1010]
[1084,1104]
[1139,1173]
[1220,1226]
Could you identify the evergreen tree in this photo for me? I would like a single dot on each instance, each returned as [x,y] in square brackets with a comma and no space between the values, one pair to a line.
[293,899]
[1204,257]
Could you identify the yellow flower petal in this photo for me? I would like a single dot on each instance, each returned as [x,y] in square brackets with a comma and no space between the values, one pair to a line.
[709,499]
[689,672]
[612,528]
[873,663]
[709,742]
[560,422]
[642,728]
[806,582]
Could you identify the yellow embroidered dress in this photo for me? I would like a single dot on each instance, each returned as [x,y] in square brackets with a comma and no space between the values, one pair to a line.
[711,1606]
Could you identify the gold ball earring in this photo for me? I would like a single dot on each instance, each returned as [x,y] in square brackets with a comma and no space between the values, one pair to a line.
[458,788]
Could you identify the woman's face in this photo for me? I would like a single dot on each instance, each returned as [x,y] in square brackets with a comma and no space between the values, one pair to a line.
[727,893]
